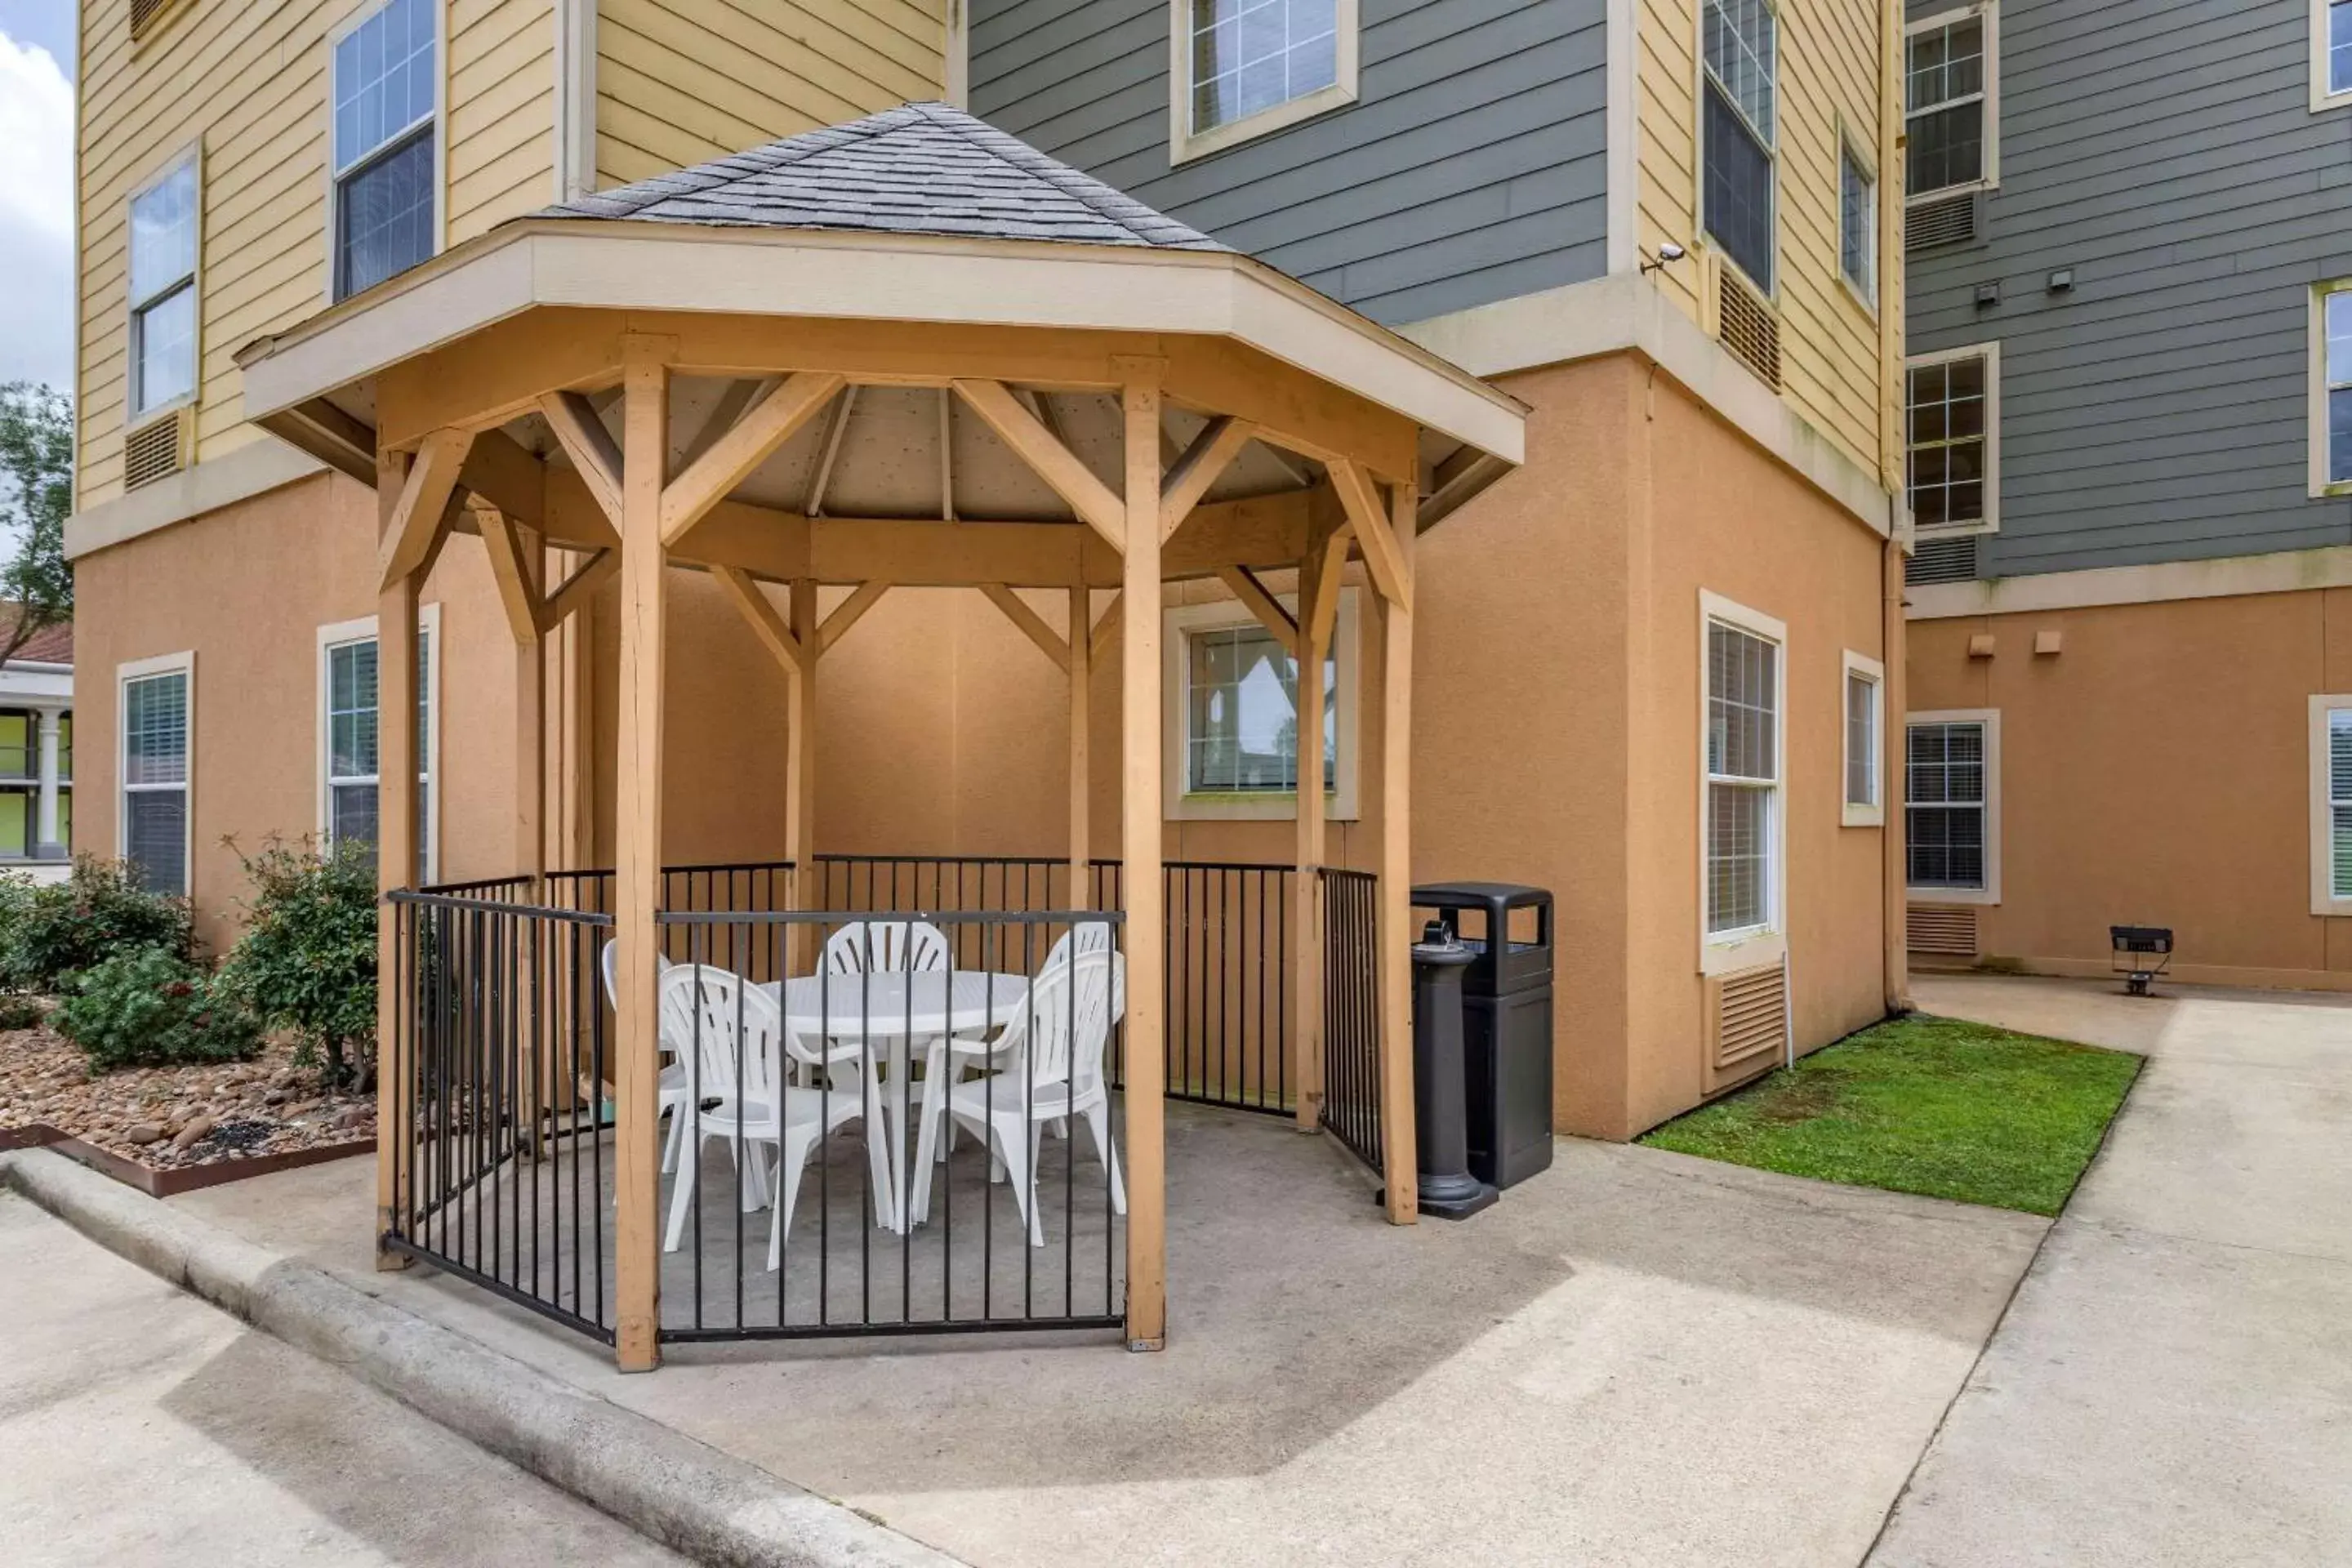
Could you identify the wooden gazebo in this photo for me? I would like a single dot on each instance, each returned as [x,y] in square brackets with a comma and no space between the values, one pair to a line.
[673,374]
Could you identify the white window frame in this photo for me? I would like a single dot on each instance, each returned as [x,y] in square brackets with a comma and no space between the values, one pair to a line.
[364,629]
[1754,946]
[1185,145]
[1855,667]
[1865,294]
[1178,625]
[2322,97]
[1990,892]
[334,179]
[180,663]
[1699,79]
[190,157]
[2324,899]
[1990,353]
[1990,178]
[2320,481]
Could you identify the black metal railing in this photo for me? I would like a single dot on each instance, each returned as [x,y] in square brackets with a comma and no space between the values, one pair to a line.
[495,889]
[1229,980]
[922,1148]
[1352,1011]
[502,1168]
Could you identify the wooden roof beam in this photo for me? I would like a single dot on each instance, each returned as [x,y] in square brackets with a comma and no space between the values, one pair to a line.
[1052,461]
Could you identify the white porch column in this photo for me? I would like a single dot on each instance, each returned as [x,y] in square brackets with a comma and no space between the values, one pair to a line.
[45,827]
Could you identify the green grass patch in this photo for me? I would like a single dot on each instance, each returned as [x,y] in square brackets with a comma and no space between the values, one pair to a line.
[1936,1106]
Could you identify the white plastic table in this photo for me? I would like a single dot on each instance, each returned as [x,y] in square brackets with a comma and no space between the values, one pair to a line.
[894,1008]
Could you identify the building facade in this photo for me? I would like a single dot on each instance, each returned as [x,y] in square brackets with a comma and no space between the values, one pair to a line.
[1670,229]
[2130,300]
[36,755]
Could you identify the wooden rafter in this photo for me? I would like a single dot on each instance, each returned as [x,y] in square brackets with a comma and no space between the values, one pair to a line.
[414,530]
[1203,462]
[582,436]
[1262,604]
[1052,462]
[847,613]
[1031,623]
[760,612]
[1368,516]
[830,452]
[765,425]
[579,588]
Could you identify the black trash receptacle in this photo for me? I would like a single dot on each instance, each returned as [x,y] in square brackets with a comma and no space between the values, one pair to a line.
[1507,1021]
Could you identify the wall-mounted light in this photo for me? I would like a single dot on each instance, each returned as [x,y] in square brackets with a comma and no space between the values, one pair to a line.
[1667,252]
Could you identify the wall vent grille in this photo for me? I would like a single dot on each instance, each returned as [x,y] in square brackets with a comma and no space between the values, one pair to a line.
[156,450]
[1931,225]
[144,13]
[1943,560]
[1747,1023]
[1946,930]
[1748,328]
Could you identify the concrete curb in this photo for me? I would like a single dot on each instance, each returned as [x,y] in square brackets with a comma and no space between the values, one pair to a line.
[687,1495]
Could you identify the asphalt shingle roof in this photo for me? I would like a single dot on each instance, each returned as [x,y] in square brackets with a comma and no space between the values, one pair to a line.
[923,168]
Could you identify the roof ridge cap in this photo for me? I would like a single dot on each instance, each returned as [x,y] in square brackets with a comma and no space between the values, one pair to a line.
[1014,152]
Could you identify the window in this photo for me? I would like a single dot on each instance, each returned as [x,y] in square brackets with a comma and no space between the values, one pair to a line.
[383,177]
[163,221]
[1742,38]
[2331,53]
[1954,410]
[349,720]
[1865,685]
[1952,806]
[1243,67]
[2331,391]
[157,708]
[2331,806]
[1741,740]
[1232,733]
[1857,224]
[1948,93]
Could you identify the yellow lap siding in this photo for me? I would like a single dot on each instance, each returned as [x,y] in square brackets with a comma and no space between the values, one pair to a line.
[501,112]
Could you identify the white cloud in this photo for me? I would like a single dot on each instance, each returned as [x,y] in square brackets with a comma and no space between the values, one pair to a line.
[37,216]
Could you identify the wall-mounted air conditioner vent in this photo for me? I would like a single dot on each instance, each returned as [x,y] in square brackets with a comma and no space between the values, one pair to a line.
[1748,328]
[1941,931]
[155,450]
[145,13]
[1952,560]
[1952,221]
[1747,1024]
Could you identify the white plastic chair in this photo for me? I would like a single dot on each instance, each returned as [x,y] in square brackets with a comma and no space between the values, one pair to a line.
[967,1051]
[738,1040]
[1049,1064]
[879,947]
[670,1086]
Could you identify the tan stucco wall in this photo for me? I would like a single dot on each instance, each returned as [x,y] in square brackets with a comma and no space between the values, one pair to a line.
[246,589]
[2154,771]
[1558,709]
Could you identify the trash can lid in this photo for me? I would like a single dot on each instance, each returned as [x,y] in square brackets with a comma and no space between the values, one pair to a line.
[1509,895]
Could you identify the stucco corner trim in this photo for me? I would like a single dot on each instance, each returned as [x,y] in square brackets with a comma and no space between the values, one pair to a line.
[1628,312]
[252,469]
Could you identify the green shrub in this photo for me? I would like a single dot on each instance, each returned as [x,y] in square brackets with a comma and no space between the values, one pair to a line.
[100,911]
[153,1006]
[307,960]
[20,1012]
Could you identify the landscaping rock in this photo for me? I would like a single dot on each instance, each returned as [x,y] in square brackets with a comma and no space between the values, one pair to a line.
[146,1132]
[193,1131]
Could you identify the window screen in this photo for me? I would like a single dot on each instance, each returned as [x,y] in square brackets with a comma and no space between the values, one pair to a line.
[385,73]
[2340,803]
[1743,771]
[1945,814]
[352,737]
[2338,325]
[1861,740]
[1240,733]
[1250,55]
[1948,400]
[1740,115]
[1944,88]
[155,779]
[1857,224]
[163,290]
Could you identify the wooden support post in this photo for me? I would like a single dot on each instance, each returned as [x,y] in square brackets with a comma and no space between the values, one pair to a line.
[1082,669]
[396,852]
[799,774]
[1307,891]
[1140,832]
[636,844]
[1400,1146]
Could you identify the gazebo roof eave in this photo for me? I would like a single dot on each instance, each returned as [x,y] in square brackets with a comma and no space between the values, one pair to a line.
[884,279]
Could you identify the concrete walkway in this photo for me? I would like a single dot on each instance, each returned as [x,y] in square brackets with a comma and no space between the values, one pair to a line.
[2174,1382]
[140,1426]
[1637,1358]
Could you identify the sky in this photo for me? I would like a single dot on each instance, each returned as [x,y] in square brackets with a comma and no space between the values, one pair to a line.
[37,238]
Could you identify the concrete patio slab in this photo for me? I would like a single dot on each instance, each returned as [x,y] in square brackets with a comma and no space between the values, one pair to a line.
[1636,1358]
[2174,1382]
[142,1426]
